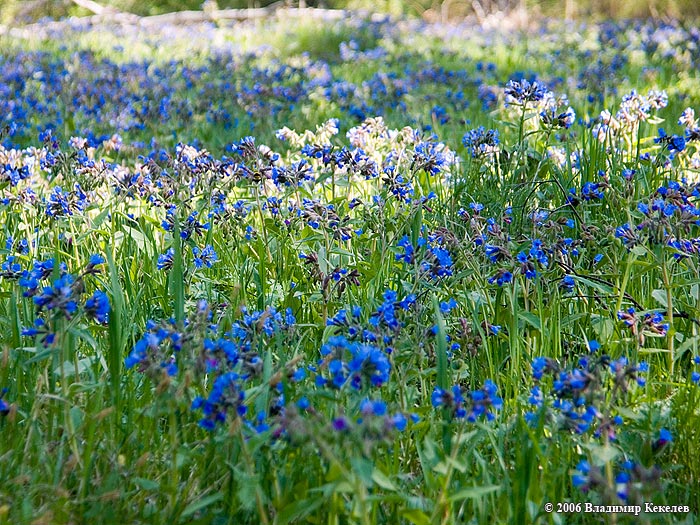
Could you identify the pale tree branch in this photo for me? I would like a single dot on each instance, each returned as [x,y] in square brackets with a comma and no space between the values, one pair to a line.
[94,7]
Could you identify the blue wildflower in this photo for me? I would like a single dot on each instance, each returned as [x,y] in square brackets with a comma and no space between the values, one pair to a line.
[481,142]
[206,257]
[226,397]
[61,296]
[166,260]
[98,307]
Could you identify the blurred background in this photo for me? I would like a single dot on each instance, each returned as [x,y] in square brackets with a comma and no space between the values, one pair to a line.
[22,11]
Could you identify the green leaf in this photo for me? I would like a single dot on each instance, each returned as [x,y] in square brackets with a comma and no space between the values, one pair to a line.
[76,416]
[639,250]
[416,225]
[85,336]
[39,356]
[140,240]
[418,517]
[201,504]
[477,298]
[299,510]
[183,456]
[474,492]
[177,279]
[601,287]
[602,454]
[441,348]
[661,297]
[69,367]
[383,480]
[100,218]
[428,459]
[531,319]
[340,251]
[363,468]
[146,484]
[442,370]
[691,342]
[633,415]
[603,327]
[653,350]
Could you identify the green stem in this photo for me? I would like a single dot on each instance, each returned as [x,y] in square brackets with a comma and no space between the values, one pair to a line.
[669,306]
[262,513]
[625,280]
[174,476]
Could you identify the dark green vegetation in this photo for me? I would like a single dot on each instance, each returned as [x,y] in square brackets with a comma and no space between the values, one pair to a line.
[484,301]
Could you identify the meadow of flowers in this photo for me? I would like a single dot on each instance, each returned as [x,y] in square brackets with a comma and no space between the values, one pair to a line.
[351,272]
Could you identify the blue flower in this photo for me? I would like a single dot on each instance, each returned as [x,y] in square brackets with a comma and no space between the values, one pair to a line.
[206,257]
[60,203]
[399,422]
[481,142]
[340,424]
[430,157]
[485,402]
[4,405]
[98,307]
[665,438]
[166,260]
[95,260]
[11,269]
[536,398]
[540,366]
[674,143]
[567,284]
[226,397]
[591,191]
[581,479]
[446,307]
[61,296]
[373,408]
[408,250]
[495,253]
[439,397]
[520,92]
[501,278]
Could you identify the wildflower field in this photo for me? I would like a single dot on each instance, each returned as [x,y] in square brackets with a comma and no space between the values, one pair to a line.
[350,272]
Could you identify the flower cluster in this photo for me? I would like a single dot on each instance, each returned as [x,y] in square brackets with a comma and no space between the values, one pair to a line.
[579,398]
[58,294]
[520,92]
[481,142]
[168,350]
[226,395]
[375,423]
[155,352]
[483,402]
[357,364]
[649,324]
[430,254]
[695,375]
[631,484]
[634,109]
